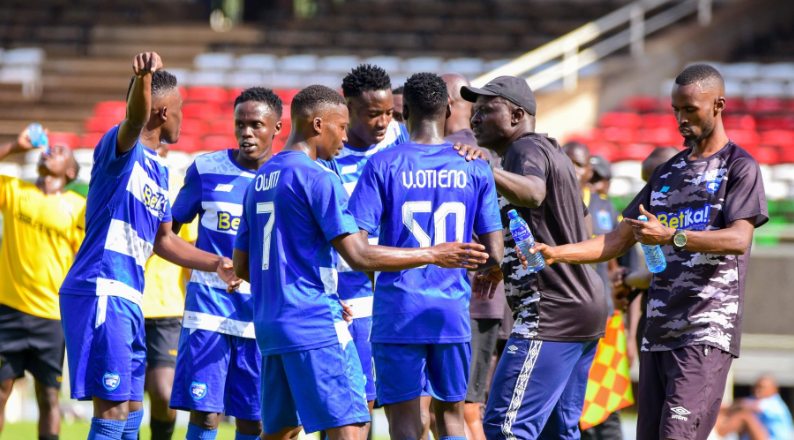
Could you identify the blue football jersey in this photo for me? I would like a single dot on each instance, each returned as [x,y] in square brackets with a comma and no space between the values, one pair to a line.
[418,196]
[292,211]
[214,188]
[350,164]
[127,201]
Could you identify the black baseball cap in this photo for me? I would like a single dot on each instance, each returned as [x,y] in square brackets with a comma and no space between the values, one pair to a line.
[601,167]
[511,88]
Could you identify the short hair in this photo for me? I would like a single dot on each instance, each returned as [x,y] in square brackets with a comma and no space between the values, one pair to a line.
[425,94]
[364,78]
[398,91]
[260,94]
[162,83]
[701,74]
[308,100]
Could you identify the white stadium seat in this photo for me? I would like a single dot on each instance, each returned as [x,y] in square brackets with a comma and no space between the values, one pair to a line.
[257,61]
[244,79]
[390,64]
[421,64]
[84,156]
[777,71]
[464,66]
[283,80]
[33,56]
[333,81]
[207,78]
[338,63]
[740,71]
[766,89]
[298,63]
[214,61]
[10,169]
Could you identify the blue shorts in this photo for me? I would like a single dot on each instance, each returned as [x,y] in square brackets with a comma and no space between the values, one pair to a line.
[105,346]
[538,390]
[319,389]
[217,373]
[405,370]
[359,330]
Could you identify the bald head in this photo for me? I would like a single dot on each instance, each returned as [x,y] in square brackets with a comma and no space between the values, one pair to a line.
[656,158]
[460,117]
[766,386]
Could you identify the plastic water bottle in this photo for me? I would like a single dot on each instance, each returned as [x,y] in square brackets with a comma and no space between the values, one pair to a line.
[38,137]
[525,241]
[654,257]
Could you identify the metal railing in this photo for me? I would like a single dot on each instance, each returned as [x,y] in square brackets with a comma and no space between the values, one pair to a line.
[566,49]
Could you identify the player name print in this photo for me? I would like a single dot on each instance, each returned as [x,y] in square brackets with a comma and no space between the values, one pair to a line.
[434,179]
[265,182]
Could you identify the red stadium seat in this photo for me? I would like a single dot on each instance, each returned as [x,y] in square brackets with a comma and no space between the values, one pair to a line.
[278,144]
[187,144]
[623,136]
[90,140]
[218,142]
[208,94]
[767,105]
[100,123]
[779,138]
[607,150]
[636,152]
[193,127]
[662,137]
[71,140]
[286,95]
[786,155]
[659,120]
[738,122]
[233,93]
[642,104]
[221,127]
[111,109]
[586,137]
[775,123]
[735,105]
[620,119]
[766,155]
[201,111]
[744,138]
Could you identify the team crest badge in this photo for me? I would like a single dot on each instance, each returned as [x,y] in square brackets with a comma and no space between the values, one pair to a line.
[198,390]
[111,381]
[713,185]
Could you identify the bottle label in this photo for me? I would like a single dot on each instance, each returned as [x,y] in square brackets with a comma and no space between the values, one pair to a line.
[521,234]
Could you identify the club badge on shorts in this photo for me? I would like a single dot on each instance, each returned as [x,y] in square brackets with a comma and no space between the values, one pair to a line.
[198,390]
[111,381]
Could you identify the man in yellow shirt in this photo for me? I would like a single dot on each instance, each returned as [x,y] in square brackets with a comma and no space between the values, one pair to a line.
[43,227]
[163,306]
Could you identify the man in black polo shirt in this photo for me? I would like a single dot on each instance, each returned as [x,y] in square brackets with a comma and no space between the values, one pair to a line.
[539,385]
[702,207]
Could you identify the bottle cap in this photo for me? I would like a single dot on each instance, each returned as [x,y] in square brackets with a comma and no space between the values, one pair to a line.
[643,218]
[512,214]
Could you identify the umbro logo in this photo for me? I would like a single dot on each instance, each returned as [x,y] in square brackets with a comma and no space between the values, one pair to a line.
[680,413]
[512,349]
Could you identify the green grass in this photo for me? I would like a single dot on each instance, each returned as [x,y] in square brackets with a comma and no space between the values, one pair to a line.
[79,431]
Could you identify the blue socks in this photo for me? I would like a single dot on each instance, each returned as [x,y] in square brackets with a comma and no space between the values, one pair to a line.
[238,436]
[453,438]
[196,433]
[132,426]
[102,429]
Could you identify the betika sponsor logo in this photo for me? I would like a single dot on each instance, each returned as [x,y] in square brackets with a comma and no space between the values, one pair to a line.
[687,218]
[153,199]
[435,179]
[227,221]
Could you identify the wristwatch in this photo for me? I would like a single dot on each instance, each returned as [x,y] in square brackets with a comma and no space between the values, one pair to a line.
[679,239]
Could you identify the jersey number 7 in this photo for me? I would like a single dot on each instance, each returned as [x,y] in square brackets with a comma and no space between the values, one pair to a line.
[266,208]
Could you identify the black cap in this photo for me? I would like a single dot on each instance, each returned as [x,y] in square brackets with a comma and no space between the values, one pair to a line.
[601,167]
[511,88]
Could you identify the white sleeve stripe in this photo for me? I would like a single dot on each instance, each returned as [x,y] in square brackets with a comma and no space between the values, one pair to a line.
[123,239]
[211,279]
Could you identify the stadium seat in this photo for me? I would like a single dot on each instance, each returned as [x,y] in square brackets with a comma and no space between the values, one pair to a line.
[628,169]
[280,80]
[642,104]
[182,76]
[201,111]
[337,64]
[779,138]
[421,64]
[745,138]
[734,88]
[606,149]
[659,120]
[257,61]
[636,152]
[620,187]
[221,127]
[19,74]
[777,71]
[90,140]
[620,135]
[244,79]
[186,144]
[100,123]
[467,67]
[739,122]
[766,89]
[620,119]
[32,56]
[111,109]
[766,105]
[193,127]
[207,94]
[388,63]
[218,142]
[775,123]
[214,61]
[71,140]
[84,156]
[740,71]
[332,80]
[286,95]
[207,78]
[766,155]
[298,63]
[10,169]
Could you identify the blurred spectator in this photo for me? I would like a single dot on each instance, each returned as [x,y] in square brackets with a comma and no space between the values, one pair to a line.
[771,410]
[398,104]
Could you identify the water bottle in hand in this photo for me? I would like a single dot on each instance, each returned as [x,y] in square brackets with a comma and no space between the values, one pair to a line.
[38,137]
[654,256]
[525,241]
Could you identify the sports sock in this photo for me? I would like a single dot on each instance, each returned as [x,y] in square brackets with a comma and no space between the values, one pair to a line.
[453,438]
[48,436]
[238,436]
[196,433]
[162,430]
[132,426]
[102,429]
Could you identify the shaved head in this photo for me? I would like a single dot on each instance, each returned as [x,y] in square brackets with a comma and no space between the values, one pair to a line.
[705,76]
[454,82]
[656,158]
[580,157]
[460,116]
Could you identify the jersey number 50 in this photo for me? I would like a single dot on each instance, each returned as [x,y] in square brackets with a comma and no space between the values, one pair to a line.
[439,221]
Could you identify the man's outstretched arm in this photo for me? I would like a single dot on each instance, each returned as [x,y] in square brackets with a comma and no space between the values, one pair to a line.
[596,250]
[173,248]
[362,257]
[139,101]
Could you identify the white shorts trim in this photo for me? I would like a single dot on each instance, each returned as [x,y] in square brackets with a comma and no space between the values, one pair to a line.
[362,307]
[218,324]
[107,287]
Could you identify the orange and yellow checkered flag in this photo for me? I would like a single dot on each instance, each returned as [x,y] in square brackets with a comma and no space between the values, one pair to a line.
[609,384]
